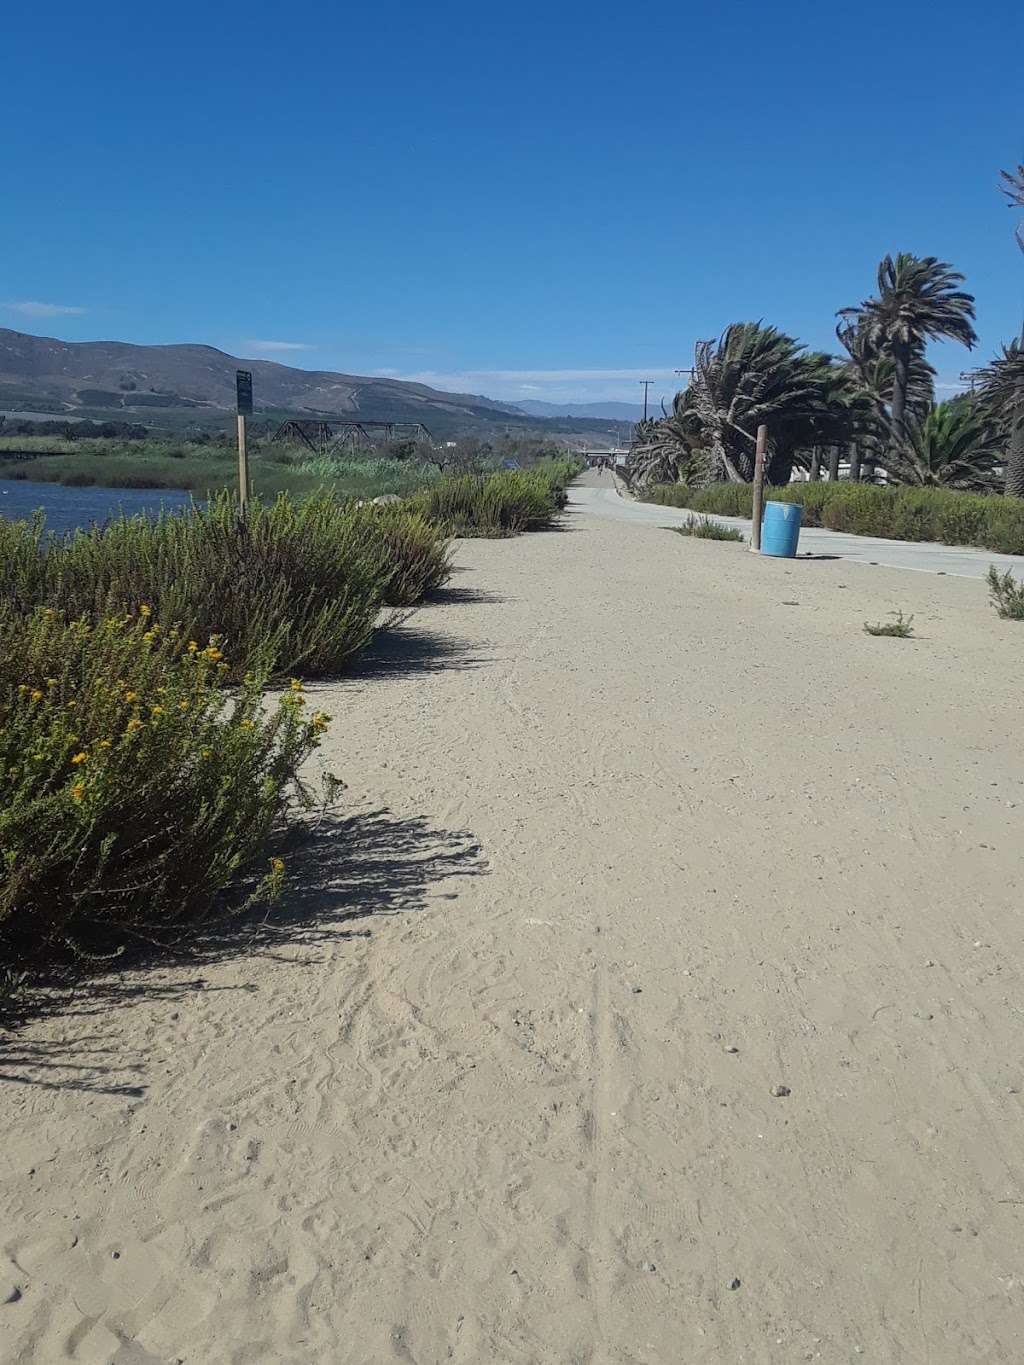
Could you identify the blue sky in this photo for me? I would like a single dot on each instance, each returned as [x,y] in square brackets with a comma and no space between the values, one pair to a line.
[546,200]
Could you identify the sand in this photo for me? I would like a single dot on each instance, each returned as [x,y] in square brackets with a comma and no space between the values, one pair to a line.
[639,831]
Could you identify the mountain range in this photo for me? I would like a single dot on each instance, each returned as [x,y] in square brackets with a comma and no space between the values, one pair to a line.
[611,411]
[193,385]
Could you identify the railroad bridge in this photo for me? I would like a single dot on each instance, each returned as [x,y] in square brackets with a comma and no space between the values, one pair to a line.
[328,436]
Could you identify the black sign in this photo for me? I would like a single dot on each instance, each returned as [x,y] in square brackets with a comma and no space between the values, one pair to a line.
[243,392]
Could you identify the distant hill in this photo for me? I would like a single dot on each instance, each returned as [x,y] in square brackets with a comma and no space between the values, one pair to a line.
[179,386]
[616,412]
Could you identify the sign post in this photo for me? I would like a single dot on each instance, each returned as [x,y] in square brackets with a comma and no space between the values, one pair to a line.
[243,404]
[760,451]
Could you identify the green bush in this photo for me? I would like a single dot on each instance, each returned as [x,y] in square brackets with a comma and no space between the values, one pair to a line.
[136,789]
[991,521]
[558,474]
[703,528]
[294,586]
[502,504]
[900,627]
[1006,594]
[418,554]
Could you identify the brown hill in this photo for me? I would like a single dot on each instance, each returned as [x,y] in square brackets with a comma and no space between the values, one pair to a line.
[172,385]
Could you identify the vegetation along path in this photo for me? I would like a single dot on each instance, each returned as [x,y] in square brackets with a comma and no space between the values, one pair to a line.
[656,999]
[601,497]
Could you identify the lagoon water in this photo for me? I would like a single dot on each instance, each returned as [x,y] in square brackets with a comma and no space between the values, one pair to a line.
[67,509]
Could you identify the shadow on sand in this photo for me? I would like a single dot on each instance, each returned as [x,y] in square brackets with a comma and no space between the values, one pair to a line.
[407,650]
[343,871]
[451,597]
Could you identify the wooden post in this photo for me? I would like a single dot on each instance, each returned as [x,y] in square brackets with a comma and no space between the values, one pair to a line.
[758,508]
[243,464]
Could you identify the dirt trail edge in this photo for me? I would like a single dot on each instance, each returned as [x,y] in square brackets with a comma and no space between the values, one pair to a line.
[657,998]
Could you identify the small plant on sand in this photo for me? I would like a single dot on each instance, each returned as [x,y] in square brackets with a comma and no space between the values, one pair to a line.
[901,627]
[135,789]
[1006,594]
[703,528]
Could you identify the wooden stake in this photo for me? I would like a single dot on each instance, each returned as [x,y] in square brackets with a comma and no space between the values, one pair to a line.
[758,508]
[243,463]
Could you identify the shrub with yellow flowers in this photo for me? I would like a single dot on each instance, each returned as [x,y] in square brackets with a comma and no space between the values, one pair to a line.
[135,787]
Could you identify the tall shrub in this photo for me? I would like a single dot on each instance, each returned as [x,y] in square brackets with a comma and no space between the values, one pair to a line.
[293,586]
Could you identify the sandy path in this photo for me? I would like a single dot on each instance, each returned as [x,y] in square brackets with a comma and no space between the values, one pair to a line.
[649,800]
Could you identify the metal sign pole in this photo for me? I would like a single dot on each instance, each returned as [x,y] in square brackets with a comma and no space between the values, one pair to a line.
[243,403]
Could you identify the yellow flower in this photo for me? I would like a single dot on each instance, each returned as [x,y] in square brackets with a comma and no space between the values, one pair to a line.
[247,725]
[277,865]
[78,790]
[51,682]
[320,722]
[160,691]
[145,611]
[104,744]
[212,653]
[182,705]
[134,724]
[207,753]
[81,757]
[148,636]
[156,710]
[193,647]
[131,696]
[295,685]
[37,695]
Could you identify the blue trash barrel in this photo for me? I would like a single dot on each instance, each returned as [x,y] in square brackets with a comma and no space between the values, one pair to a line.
[780,530]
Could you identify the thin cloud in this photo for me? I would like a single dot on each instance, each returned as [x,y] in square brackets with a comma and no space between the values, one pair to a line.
[33,308]
[461,378]
[279,346]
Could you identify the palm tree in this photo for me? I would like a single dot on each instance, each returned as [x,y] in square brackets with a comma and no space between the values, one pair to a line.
[1013,188]
[657,453]
[751,375]
[870,372]
[917,302]
[1001,391]
[1006,387]
[955,445]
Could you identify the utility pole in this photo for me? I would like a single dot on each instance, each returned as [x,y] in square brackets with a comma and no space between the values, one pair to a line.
[647,384]
[969,377]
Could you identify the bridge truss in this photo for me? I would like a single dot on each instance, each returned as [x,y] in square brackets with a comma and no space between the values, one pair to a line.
[330,437]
